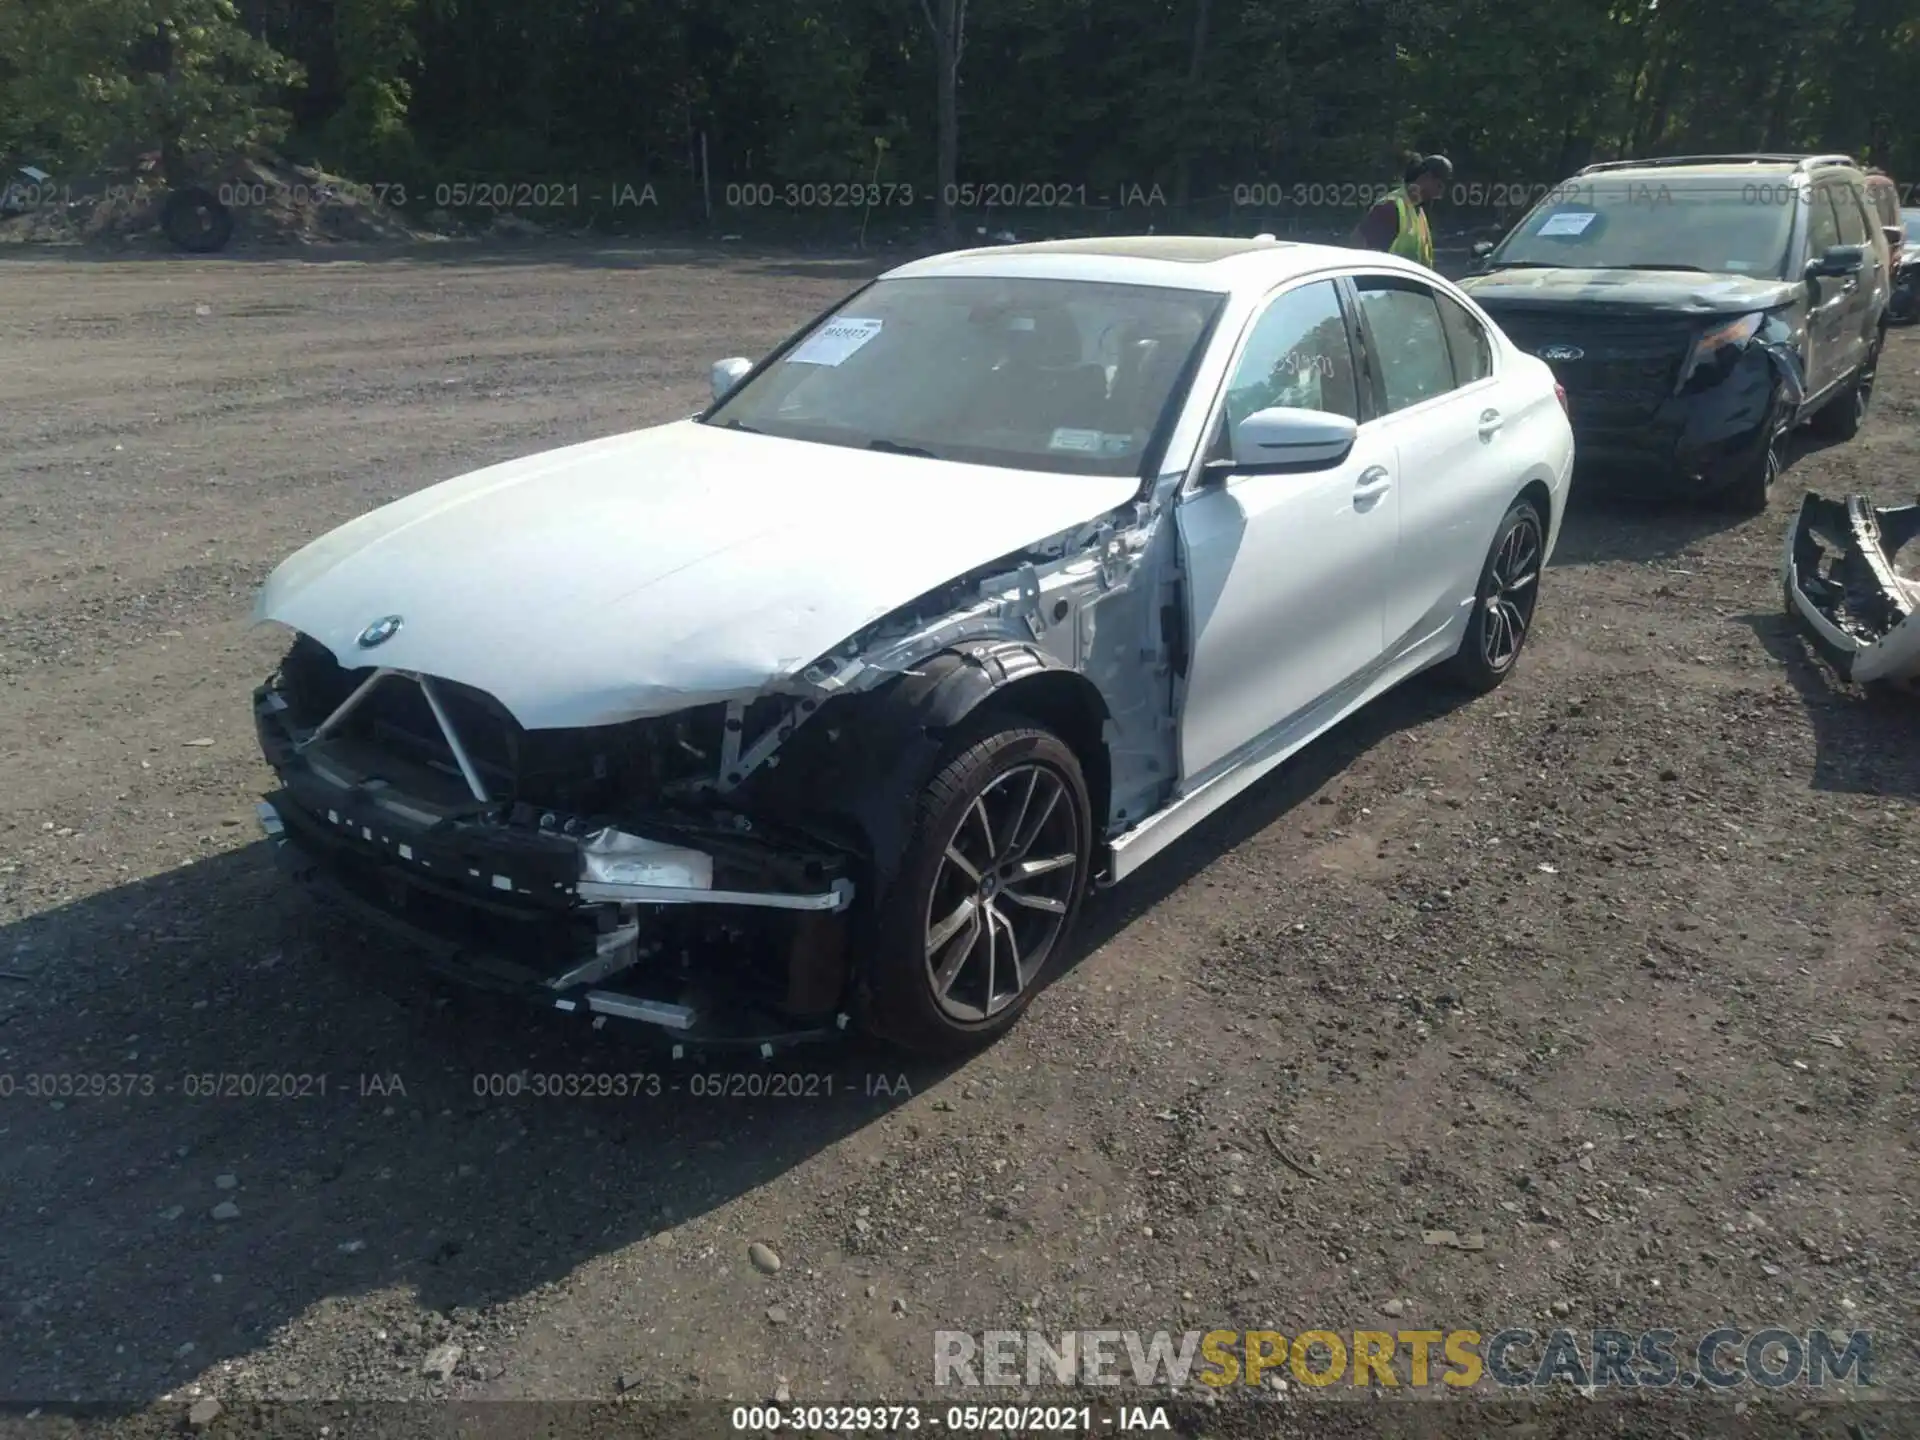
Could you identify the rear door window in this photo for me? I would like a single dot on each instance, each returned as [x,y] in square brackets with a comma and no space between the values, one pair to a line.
[1853,220]
[1467,339]
[1409,342]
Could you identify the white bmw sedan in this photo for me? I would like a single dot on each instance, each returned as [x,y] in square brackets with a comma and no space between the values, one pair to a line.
[826,706]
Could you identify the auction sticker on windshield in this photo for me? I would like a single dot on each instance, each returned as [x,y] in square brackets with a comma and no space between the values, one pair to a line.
[1568,222]
[1089,442]
[834,342]
[1066,439]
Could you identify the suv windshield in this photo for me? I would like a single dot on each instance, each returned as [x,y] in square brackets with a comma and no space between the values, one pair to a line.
[1071,376]
[1722,225]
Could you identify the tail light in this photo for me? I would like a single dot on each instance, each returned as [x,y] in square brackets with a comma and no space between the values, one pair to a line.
[1560,394]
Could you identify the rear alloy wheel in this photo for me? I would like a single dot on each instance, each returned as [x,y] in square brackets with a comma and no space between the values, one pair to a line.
[1503,605]
[992,883]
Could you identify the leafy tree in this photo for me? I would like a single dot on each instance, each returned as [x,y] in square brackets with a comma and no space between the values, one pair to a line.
[102,78]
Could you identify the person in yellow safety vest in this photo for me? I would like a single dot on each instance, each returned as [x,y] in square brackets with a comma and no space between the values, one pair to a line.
[1398,224]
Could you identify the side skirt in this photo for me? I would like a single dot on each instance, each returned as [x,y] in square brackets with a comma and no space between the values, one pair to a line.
[1130,851]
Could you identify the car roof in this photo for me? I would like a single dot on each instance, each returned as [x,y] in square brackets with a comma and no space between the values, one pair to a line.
[1719,171]
[1215,263]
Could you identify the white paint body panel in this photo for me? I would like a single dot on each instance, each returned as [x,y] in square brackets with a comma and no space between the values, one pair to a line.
[1306,592]
[1285,585]
[652,571]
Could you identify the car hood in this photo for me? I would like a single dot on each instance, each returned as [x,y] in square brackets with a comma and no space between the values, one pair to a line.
[1683,291]
[657,570]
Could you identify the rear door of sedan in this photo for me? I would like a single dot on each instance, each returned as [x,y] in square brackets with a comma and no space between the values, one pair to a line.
[1441,401]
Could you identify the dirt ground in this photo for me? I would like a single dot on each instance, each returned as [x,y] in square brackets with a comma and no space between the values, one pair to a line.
[1619,966]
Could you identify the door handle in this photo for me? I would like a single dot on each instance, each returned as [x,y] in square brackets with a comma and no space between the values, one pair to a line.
[1373,483]
[1490,422]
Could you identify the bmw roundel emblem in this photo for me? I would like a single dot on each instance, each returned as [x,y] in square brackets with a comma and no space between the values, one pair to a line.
[380,631]
[1561,352]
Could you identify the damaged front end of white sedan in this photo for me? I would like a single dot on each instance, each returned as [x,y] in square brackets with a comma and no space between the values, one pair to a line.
[1845,588]
[697,869]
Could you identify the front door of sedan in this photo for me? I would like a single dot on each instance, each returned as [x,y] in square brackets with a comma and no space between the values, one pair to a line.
[1284,567]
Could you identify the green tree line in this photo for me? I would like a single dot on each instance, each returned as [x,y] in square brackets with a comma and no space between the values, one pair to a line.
[1186,100]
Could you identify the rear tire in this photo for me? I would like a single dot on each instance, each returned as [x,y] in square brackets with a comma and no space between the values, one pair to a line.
[1841,417]
[1503,603]
[987,892]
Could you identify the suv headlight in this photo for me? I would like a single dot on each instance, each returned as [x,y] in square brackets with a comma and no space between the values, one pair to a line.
[1720,345]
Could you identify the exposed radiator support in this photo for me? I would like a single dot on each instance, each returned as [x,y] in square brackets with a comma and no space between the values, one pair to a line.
[441,718]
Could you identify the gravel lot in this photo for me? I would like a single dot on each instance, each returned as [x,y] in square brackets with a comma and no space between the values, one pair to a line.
[1619,966]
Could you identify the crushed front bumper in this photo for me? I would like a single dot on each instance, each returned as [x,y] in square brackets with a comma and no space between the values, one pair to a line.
[1691,444]
[550,908]
[1842,585]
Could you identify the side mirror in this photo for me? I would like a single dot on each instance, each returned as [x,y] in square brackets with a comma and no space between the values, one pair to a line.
[1482,249]
[1285,436]
[1895,235]
[729,373]
[1839,260]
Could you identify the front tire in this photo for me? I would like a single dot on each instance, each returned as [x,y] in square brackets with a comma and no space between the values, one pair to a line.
[1503,603]
[1752,485]
[987,893]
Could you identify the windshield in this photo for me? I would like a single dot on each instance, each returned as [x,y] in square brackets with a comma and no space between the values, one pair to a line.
[1721,226]
[1911,220]
[1071,376]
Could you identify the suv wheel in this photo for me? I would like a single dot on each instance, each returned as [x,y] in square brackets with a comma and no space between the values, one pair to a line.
[992,882]
[1752,484]
[1841,417]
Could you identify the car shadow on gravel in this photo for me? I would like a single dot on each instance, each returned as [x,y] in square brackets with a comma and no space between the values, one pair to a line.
[219,1111]
[1865,742]
[1604,523]
[1420,701]
[1602,527]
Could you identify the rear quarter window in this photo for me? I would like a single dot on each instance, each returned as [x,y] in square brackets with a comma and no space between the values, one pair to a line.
[1467,339]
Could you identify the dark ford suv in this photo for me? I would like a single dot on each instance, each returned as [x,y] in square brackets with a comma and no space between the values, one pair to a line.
[1696,309]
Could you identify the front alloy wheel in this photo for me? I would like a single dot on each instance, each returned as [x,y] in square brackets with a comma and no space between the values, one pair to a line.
[988,887]
[1007,878]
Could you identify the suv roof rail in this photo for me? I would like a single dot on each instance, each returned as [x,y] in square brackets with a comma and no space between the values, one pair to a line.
[1653,162]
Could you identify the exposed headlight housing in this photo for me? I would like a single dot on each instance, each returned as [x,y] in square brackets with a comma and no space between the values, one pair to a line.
[1720,344]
